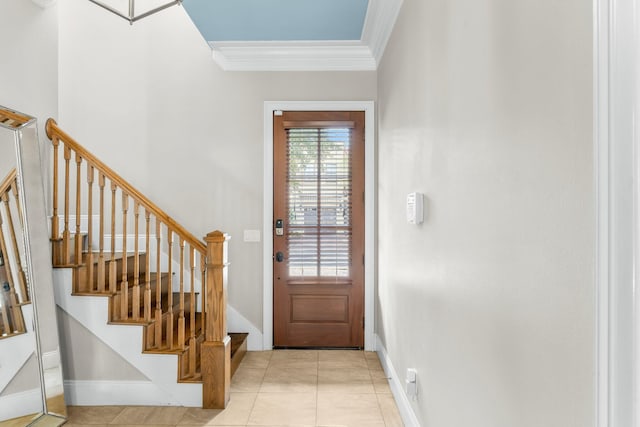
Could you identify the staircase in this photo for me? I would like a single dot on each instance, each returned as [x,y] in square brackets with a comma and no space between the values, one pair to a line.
[13,283]
[156,275]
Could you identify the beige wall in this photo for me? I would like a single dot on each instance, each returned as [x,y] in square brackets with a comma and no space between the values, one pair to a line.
[486,107]
[87,358]
[26,379]
[150,101]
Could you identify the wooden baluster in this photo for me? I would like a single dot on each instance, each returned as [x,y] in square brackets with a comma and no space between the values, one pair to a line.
[158,325]
[135,306]
[17,312]
[181,320]
[124,282]
[66,233]
[22,279]
[55,220]
[89,261]
[8,329]
[147,271]
[113,266]
[192,312]
[203,294]
[170,293]
[16,198]
[216,350]
[78,236]
[24,289]
[102,273]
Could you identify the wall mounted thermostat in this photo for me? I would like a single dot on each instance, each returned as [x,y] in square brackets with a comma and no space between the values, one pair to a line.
[415,207]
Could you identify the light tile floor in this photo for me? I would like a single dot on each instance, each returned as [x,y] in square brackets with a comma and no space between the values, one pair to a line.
[278,388]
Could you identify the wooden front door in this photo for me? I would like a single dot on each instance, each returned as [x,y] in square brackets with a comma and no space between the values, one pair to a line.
[318,232]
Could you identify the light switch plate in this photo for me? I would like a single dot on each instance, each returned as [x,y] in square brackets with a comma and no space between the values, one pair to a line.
[251,235]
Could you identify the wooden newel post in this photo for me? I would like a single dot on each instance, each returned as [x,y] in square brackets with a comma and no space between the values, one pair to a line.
[216,349]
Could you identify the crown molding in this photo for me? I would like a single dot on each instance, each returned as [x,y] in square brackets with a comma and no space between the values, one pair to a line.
[378,25]
[44,3]
[340,55]
[293,56]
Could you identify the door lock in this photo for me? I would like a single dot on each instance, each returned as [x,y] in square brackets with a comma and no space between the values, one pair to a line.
[279,227]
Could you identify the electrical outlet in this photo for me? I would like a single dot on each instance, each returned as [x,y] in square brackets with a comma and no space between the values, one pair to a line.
[411,382]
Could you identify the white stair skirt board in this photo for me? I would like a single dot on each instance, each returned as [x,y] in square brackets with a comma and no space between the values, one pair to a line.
[15,351]
[397,387]
[98,393]
[125,340]
[238,323]
[21,404]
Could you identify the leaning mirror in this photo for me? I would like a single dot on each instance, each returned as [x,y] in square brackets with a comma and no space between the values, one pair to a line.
[31,387]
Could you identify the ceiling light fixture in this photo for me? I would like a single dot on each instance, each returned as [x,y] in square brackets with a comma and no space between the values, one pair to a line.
[131,17]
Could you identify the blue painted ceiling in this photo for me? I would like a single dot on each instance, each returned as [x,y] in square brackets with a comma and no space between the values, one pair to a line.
[270,20]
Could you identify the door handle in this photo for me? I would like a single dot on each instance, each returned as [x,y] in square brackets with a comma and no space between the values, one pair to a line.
[279,256]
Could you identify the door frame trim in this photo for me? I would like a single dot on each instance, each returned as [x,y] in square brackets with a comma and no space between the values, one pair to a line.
[369,210]
[616,90]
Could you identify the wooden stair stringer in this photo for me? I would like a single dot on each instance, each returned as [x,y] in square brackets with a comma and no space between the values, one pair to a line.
[126,341]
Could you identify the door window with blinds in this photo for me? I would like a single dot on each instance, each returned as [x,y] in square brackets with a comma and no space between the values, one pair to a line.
[318,239]
[319,197]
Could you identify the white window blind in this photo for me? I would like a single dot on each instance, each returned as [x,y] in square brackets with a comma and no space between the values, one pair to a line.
[319,197]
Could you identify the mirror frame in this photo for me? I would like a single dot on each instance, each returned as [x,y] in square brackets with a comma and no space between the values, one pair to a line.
[38,267]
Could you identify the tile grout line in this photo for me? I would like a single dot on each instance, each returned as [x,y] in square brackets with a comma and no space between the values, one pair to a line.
[253,405]
[317,384]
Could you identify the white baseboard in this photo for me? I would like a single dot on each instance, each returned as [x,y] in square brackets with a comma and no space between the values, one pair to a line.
[397,387]
[21,404]
[51,359]
[238,323]
[101,393]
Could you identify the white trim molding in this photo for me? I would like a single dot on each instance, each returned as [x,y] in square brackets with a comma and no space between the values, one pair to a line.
[409,417]
[109,393]
[236,322]
[369,208]
[616,47]
[44,3]
[21,404]
[378,25]
[331,55]
[293,56]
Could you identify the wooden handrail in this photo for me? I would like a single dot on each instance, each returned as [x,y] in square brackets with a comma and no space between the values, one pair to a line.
[8,181]
[53,131]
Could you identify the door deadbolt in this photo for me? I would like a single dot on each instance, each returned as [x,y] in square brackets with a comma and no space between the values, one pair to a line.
[279,227]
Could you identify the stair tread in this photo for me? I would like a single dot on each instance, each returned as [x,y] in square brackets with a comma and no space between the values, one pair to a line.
[131,283]
[154,302]
[96,258]
[237,339]
[187,334]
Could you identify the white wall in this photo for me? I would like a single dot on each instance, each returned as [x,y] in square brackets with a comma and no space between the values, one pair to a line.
[485,107]
[28,83]
[149,100]
[29,60]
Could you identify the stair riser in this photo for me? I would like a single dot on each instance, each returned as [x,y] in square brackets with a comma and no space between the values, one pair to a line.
[116,303]
[189,362]
[82,283]
[58,253]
